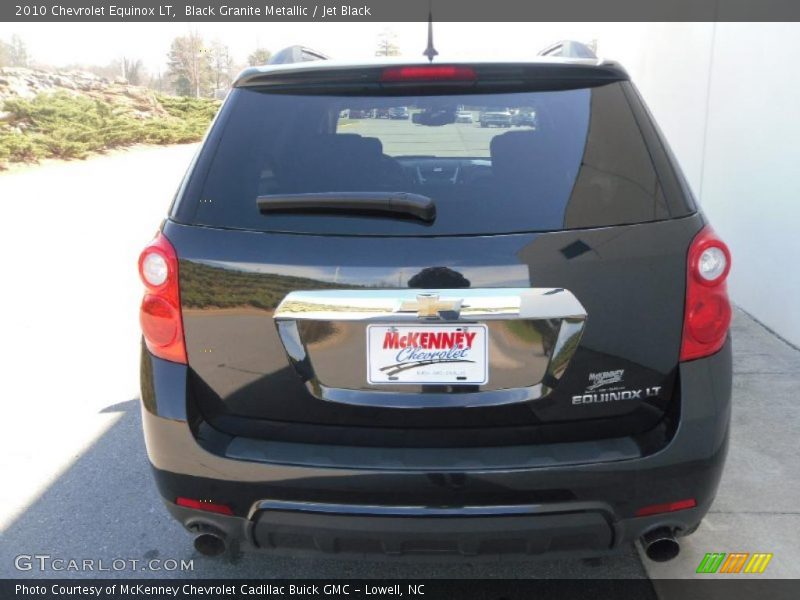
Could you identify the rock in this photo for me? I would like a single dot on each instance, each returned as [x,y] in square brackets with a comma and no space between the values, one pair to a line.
[63,82]
[26,84]
[19,89]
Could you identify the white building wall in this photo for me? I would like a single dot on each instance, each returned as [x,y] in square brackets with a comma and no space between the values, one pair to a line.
[727,96]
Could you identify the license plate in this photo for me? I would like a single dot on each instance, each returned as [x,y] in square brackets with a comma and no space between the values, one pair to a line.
[430,354]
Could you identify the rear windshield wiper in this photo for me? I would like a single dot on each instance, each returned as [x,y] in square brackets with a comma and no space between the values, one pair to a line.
[399,204]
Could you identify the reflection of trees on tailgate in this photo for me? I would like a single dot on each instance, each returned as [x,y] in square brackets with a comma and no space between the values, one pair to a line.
[204,286]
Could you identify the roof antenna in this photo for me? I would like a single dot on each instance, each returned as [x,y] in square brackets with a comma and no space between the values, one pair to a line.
[430,51]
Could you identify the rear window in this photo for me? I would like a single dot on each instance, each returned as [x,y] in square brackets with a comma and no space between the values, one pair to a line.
[492,163]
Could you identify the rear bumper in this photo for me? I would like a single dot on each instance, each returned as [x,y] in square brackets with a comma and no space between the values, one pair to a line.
[394,506]
[397,531]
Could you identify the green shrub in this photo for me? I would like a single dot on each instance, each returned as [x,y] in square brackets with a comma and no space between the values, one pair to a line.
[64,125]
[15,147]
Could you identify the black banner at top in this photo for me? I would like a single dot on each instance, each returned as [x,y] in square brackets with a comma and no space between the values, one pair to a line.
[398,10]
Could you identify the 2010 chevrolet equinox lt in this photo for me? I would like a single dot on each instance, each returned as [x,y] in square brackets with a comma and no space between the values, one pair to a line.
[418,336]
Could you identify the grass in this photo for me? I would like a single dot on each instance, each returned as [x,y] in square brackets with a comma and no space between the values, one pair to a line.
[66,126]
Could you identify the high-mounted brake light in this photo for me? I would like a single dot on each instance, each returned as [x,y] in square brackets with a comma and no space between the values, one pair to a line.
[707,314]
[429,73]
[160,313]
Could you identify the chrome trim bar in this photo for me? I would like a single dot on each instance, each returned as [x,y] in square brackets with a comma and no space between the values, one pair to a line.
[423,306]
[402,305]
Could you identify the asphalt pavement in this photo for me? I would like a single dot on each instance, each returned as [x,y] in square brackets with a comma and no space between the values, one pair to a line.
[78,484]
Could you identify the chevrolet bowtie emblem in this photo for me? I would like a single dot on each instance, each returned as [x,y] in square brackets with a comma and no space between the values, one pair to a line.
[428,306]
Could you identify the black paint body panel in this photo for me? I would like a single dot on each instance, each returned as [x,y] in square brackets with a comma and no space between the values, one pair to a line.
[630,280]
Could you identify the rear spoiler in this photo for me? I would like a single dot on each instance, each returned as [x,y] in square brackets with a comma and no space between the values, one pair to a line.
[295,54]
[319,77]
[568,49]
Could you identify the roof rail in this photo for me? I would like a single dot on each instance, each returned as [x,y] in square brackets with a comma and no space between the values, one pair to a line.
[295,54]
[568,49]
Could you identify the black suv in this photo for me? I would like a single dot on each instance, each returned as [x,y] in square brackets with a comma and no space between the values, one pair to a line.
[415,336]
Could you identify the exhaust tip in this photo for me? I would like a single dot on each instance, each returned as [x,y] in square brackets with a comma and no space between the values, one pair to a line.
[209,544]
[660,545]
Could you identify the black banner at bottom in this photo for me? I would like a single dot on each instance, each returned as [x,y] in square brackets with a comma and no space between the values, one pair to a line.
[423,589]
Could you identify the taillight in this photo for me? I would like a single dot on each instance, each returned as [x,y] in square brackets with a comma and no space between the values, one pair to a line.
[429,73]
[160,313]
[707,313]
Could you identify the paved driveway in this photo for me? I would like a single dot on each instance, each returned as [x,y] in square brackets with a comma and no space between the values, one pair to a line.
[72,443]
